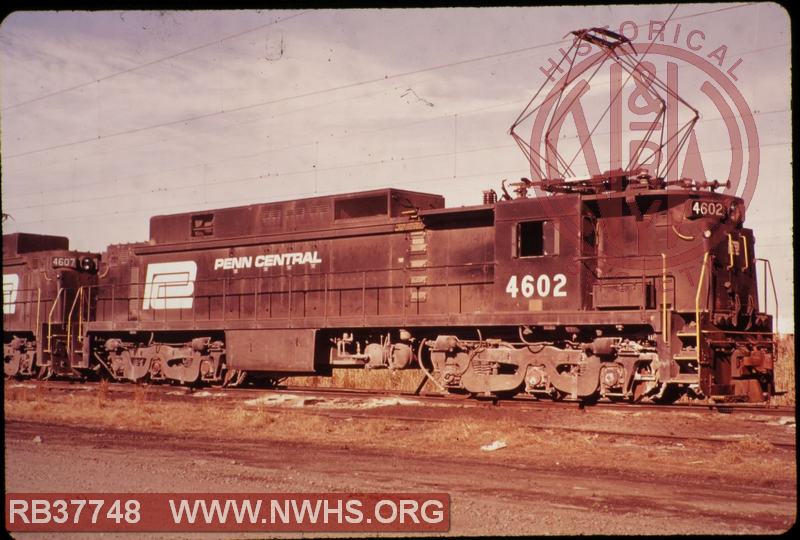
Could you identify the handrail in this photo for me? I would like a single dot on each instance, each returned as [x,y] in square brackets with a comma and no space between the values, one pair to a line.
[50,320]
[88,311]
[768,271]
[207,291]
[36,333]
[746,253]
[730,250]
[78,295]
[697,304]
[664,318]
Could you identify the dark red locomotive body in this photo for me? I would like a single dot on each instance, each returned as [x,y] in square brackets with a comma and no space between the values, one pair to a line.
[618,287]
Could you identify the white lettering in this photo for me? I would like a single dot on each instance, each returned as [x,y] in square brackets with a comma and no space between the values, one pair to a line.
[267,260]
[542,286]
[19,508]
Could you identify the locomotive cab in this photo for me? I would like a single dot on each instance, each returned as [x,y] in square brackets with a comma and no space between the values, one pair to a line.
[672,268]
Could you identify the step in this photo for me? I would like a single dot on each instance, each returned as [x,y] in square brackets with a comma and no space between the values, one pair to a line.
[687,334]
[685,357]
[686,378]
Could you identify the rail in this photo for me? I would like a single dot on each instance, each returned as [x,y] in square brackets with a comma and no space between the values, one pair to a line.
[24,311]
[78,300]
[768,271]
[384,292]
[664,316]
[697,303]
[730,251]
[746,253]
[50,319]
[399,292]
[38,303]
[449,290]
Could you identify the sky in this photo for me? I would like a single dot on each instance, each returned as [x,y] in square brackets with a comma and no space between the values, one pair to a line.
[109,118]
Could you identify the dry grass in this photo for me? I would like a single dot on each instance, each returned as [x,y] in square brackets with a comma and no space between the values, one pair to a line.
[457,437]
[102,393]
[363,379]
[785,370]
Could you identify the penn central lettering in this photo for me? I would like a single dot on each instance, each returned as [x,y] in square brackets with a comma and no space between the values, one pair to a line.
[267,261]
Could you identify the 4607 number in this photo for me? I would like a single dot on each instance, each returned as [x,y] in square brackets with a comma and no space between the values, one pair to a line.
[542,286]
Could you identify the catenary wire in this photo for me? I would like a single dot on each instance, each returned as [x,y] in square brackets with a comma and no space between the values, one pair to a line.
[322,91]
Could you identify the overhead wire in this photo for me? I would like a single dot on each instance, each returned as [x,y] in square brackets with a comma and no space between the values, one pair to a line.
[284,174]
[325,90]
[72,187]
[152,62]
[302,109]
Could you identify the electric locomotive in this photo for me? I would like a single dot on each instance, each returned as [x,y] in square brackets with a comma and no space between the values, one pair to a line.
[617,286]
[620,285]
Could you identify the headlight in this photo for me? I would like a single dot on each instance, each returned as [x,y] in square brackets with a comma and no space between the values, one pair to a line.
[88,264]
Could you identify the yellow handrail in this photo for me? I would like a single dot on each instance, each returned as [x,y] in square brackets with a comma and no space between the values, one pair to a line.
[78,296]
[50,320]
[697,304]
[88,307]
[746,253]
[664,319]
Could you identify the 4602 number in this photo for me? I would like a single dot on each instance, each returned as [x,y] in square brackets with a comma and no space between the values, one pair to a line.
[541,286]
[707,209]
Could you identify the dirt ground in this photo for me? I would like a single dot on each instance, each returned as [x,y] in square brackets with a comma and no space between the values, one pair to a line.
[562,472]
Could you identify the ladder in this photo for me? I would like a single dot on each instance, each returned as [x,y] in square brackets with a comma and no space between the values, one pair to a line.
[690,357]
[68,337]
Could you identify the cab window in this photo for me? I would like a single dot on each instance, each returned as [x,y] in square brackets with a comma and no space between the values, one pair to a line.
[537,238]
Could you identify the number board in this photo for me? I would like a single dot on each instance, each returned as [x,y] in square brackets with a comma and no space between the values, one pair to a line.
[700,209]
[68,262]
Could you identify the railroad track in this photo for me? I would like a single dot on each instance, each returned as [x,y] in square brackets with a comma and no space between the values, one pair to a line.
[231,398]
[231,393]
